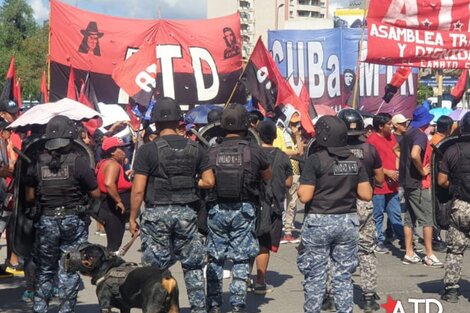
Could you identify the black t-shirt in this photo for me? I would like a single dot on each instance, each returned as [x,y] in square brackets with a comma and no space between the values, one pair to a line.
[146,161]
[83,173]
[369,156]
[281,171]
[334,194]
[450,159]
[409,175]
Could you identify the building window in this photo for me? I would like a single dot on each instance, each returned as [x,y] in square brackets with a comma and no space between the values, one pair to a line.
[245,4]
[304,2]
[302,13]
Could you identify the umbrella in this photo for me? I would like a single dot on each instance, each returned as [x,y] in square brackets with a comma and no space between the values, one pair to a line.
[438,112]
[41,114]
[322,109]
[198,115]
[112,113]
[458,114]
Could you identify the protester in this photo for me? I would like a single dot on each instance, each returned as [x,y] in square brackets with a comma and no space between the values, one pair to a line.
[273,196]
[59,228]
[400,125]
[453,175]
[239,166]
[167,173]
[417,198]
[331,225]
[386,197]
[368,125]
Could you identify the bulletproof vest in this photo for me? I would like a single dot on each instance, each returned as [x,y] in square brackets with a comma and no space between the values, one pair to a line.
[117,276]
[175,182]
[336,185]
[235,181]
[460,180]
[363,152]
[59,189]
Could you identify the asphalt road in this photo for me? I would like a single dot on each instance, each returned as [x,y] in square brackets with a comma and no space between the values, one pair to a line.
[405,283]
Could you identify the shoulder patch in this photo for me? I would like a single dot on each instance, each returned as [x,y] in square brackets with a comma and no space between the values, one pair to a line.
[358,152]
[346,168]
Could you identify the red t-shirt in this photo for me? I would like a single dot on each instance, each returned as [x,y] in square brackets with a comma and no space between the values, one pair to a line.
[384,147]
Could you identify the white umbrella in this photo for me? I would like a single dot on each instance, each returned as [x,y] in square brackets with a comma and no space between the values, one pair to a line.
[41,114]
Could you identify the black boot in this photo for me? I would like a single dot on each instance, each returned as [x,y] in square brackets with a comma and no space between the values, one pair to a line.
[451,295]
[370,305]
[328,304]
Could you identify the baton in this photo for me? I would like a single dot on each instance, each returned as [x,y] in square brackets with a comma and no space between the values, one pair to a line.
[22,155]
[123,250]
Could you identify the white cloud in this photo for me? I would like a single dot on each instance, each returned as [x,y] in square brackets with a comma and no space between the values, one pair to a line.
[40,8]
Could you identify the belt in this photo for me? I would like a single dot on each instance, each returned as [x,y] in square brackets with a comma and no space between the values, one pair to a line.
[60,211]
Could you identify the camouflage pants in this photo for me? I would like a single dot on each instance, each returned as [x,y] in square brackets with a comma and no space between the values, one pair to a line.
[54,237]
[325,237]
[231,236]
[171,230]
[367,242]
[457,241]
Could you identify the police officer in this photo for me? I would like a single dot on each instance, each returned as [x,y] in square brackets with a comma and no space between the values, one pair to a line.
[58,184]
[239,167]
[367,230]
[168,172]
[331,225]
[453,174]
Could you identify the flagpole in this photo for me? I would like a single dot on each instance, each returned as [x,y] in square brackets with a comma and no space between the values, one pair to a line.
[235,87]
[358,63]
[48,61]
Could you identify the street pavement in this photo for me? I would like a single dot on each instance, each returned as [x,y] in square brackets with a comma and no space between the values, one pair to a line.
[410,284]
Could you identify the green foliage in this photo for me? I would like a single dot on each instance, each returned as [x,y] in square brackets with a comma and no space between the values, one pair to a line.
[22,37]
[424,92]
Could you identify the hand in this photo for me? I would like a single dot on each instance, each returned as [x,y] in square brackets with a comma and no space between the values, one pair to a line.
[121,207]
[393,175]
[426,170]
[295,130]
[133,227]
[6,171]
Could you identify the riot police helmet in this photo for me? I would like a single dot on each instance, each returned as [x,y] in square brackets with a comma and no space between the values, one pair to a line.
[60,132]
[331,132]
[353,120]
[166,110]
[214,116]
[464,124]
[234,118]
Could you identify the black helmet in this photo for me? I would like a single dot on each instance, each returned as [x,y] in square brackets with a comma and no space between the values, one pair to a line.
[353,120]
[234,118]
[464,124]
[166,110]
[214,116]
[331,132]
[60,131]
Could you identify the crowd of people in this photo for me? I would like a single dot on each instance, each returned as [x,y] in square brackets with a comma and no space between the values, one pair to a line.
[203,204]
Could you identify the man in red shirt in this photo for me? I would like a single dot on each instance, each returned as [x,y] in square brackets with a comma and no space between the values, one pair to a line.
[386,198]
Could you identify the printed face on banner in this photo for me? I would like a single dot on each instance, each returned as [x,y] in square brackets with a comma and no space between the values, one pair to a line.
[326,60]
[431,34]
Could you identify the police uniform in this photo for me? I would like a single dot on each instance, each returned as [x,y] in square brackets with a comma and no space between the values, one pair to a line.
[59,192]
[456,164]
[168,223]
[238,164]
[331,225]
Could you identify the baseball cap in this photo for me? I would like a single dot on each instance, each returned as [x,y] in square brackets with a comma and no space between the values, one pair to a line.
[399,119]
[368,122]
[112,142]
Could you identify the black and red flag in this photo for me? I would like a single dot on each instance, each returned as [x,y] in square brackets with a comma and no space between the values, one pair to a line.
[459,89]
[44,91]
[11,88]
[400,76]
[88,98]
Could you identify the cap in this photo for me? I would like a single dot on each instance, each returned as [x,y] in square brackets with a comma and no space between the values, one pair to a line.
[9,106]
[60,131]
[112,142]
[399,119]
[166,110]
[368,122]
[295,117]
[234,118]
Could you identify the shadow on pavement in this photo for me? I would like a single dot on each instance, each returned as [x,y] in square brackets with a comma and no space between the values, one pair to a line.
[437,286]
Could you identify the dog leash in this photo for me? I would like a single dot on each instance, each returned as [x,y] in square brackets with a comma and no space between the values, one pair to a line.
[123,250]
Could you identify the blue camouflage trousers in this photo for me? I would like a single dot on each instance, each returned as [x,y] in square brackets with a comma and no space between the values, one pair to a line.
[171,230]
[328,237]
[231,237]
[56,236]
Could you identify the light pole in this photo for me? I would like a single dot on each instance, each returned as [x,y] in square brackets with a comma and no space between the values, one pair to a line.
[277,14]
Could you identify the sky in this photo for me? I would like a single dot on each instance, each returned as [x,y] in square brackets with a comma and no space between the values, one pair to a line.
[148,9]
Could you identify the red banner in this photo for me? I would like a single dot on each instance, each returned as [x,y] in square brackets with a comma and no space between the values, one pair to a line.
[432,34]
[193,61]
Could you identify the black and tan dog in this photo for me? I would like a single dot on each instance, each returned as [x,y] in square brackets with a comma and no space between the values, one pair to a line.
[124,285]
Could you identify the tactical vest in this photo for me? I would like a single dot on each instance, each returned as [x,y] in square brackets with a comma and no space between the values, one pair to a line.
[175,182]
[336,185]
[460,179]
[235,180]
[363,152]
[59,189]
[116,277]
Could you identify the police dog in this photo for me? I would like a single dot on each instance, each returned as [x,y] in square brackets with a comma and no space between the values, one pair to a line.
[124,285]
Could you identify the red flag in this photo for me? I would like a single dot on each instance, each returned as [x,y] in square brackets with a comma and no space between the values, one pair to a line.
[44,92]
[459,89]
[88,98]
[71,90]
[134,119]
[262,77]
[400,76]
[10,91]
